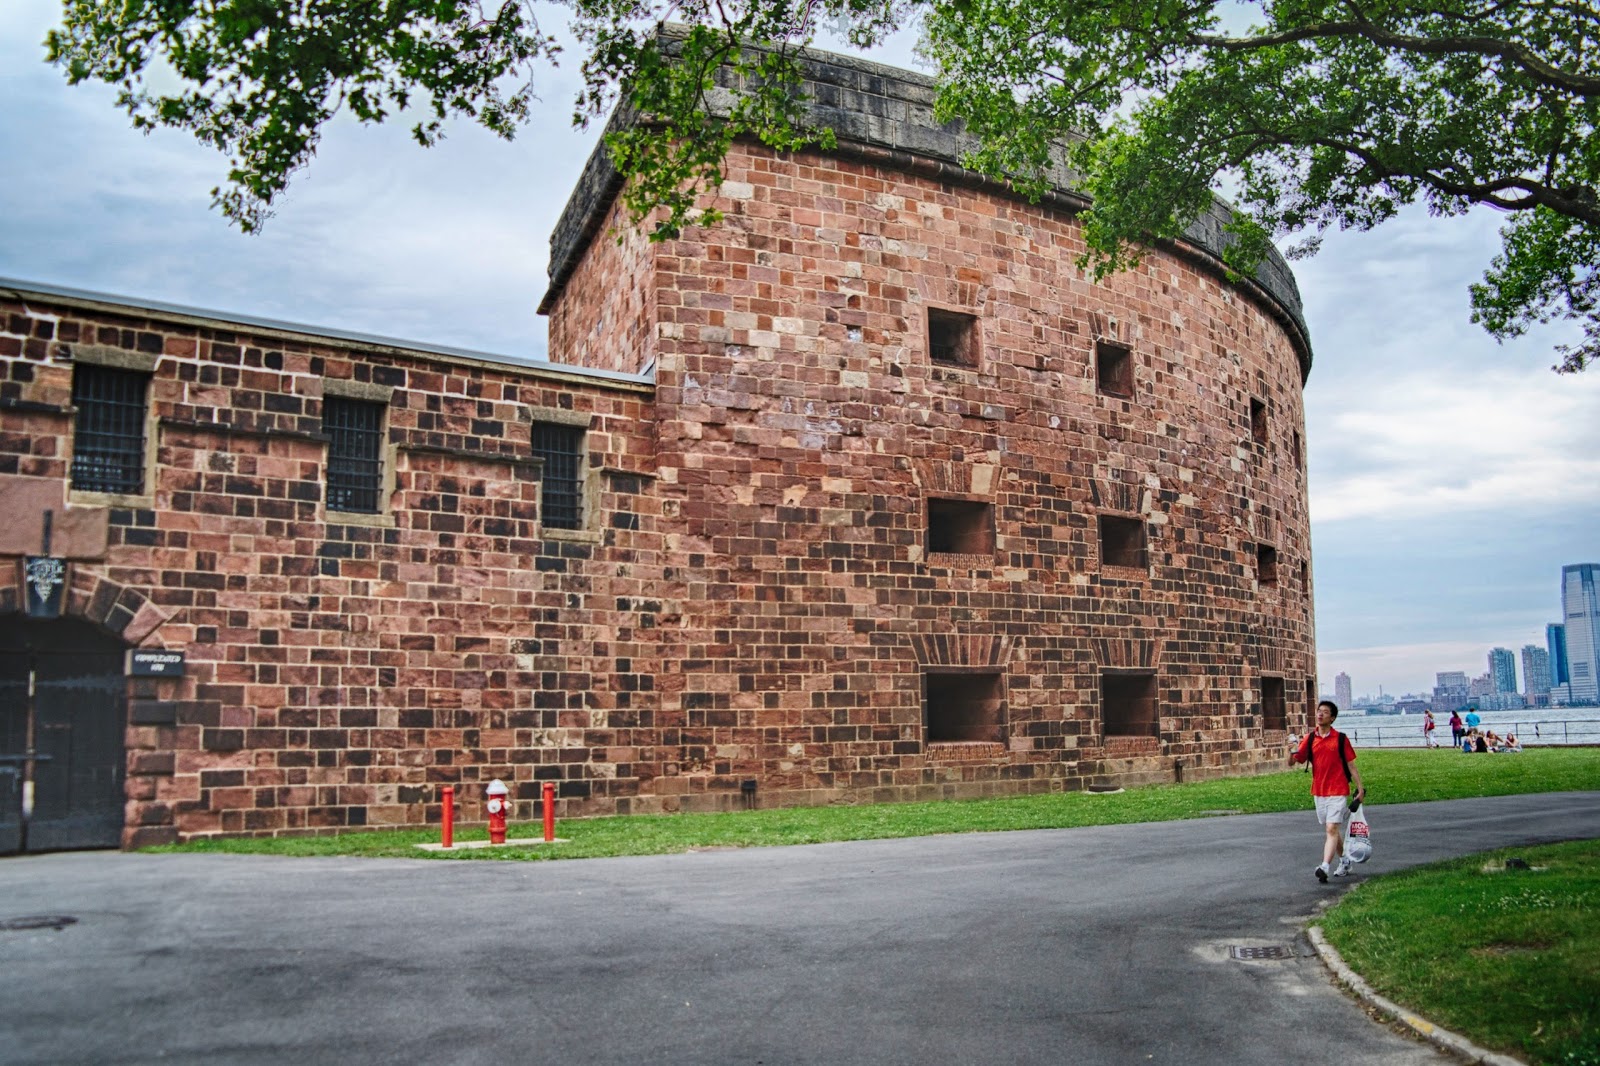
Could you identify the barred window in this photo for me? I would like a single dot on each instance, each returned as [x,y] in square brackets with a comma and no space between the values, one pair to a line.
[108,436]
[561,496]
[355,453]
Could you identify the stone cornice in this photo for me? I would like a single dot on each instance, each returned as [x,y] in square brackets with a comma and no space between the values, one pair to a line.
[883,115]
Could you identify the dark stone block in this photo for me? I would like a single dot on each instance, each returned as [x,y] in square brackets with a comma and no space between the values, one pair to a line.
[222,739]
[152,712]
[151,836]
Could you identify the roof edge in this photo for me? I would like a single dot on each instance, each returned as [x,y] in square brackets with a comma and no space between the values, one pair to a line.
[208,319]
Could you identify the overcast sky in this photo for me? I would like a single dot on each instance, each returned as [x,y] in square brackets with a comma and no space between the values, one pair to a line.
[1451,477]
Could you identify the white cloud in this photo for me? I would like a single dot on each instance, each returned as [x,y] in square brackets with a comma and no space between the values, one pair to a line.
[1428,441]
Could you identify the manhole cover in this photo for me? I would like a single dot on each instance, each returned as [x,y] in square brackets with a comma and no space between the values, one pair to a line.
[36,921]
[1276,951]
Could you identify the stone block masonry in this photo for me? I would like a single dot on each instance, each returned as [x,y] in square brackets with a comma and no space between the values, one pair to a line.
[881,499]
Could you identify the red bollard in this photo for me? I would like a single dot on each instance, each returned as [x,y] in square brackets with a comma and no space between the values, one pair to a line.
[549,811]
[449,834]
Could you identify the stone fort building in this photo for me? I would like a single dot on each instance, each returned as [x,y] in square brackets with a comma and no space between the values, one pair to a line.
[865,493]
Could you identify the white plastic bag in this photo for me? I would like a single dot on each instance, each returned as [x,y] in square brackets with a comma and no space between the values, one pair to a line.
[1358,835]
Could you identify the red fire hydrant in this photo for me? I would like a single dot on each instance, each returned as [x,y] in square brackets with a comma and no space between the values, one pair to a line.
[497,806]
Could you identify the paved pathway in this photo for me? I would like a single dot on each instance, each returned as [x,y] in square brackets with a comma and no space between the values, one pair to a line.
[1082,946]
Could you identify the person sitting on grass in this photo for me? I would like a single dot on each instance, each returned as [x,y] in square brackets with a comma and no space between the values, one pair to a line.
[1467,745]
[1479,744]
[1510,745]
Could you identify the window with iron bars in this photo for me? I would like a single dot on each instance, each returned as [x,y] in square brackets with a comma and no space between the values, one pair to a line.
[108,434]
[355,453]
[561,495]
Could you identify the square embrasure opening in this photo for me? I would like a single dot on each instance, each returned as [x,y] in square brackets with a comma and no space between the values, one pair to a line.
[952,338]
[1258,420]
[963,707]
[1128,705]
[1122,541]
[1113,368]
[964,527]
[1267,565]
[1274,708]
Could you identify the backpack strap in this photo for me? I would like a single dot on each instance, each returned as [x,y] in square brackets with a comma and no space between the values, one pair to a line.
[1343,760]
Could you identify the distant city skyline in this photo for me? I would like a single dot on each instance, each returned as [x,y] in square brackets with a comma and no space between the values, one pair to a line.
[1546,665]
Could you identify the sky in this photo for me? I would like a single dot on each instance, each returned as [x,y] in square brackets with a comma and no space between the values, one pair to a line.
[1451,477]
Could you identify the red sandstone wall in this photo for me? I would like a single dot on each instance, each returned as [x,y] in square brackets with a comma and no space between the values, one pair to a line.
[802,426]
[753,599]
[339,671]
[607,316]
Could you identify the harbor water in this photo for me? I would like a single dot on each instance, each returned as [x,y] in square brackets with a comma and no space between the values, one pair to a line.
[1535,727]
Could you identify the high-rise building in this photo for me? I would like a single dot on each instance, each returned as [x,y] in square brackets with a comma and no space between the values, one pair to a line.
[1580,605]
[1503,670]
[1535,671]
[1341,691]
[1555,639]
[1451,692]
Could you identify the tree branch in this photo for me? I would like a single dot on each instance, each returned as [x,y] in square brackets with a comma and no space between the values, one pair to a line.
[1518,54]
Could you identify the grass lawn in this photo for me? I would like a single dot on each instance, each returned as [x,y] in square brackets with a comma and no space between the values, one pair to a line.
[1391,776]
[1509,958]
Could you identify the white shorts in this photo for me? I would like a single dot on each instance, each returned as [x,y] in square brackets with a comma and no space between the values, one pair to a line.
[1332,810]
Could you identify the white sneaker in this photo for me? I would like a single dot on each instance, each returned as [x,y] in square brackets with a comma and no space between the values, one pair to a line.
[1343,869]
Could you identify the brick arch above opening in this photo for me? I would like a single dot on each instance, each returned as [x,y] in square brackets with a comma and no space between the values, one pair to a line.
[119,610]
[1127,654]
[956,651]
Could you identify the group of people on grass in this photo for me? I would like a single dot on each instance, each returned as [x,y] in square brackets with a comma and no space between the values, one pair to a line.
[1469,738]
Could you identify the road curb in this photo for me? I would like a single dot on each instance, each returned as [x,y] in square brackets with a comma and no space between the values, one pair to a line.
[1440,1037]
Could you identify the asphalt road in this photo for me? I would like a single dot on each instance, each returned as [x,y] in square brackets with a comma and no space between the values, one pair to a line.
[1082,946]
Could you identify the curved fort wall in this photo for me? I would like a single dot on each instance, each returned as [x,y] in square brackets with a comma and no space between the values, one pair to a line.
[878,497]
[1128,595]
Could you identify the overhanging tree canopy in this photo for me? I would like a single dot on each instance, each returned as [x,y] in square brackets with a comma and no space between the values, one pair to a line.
[1315,115]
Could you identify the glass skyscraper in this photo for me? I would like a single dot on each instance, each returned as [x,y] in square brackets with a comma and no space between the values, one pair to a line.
[1581,606]
[1555,639]
[1503,670]
[1535,670]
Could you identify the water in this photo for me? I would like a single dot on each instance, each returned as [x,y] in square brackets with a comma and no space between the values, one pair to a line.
[1536,727]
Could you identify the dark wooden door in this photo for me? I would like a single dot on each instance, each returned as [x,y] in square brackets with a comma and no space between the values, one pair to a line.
[65,738]
[13,745]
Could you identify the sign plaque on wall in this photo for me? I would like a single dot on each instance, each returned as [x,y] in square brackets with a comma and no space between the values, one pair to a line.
[44,584]
[155,663]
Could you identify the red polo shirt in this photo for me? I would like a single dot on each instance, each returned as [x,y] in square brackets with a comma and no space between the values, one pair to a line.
[1327,772]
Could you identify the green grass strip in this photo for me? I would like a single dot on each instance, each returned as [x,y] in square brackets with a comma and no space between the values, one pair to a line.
[1391,776]
[1509,958]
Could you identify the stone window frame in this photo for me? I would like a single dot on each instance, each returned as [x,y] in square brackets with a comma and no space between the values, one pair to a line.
[1150,728]
[1260,422]
[1125,384]
[589,475]
[389,454]
[1266,683]
[943,557]
[1266,565]
[1002,723]
[1126,516]
[139,362]
[974,324]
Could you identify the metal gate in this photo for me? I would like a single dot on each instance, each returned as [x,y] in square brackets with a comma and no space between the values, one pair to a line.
[62,723]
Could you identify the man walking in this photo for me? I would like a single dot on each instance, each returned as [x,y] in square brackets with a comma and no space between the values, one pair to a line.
[1333,773]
